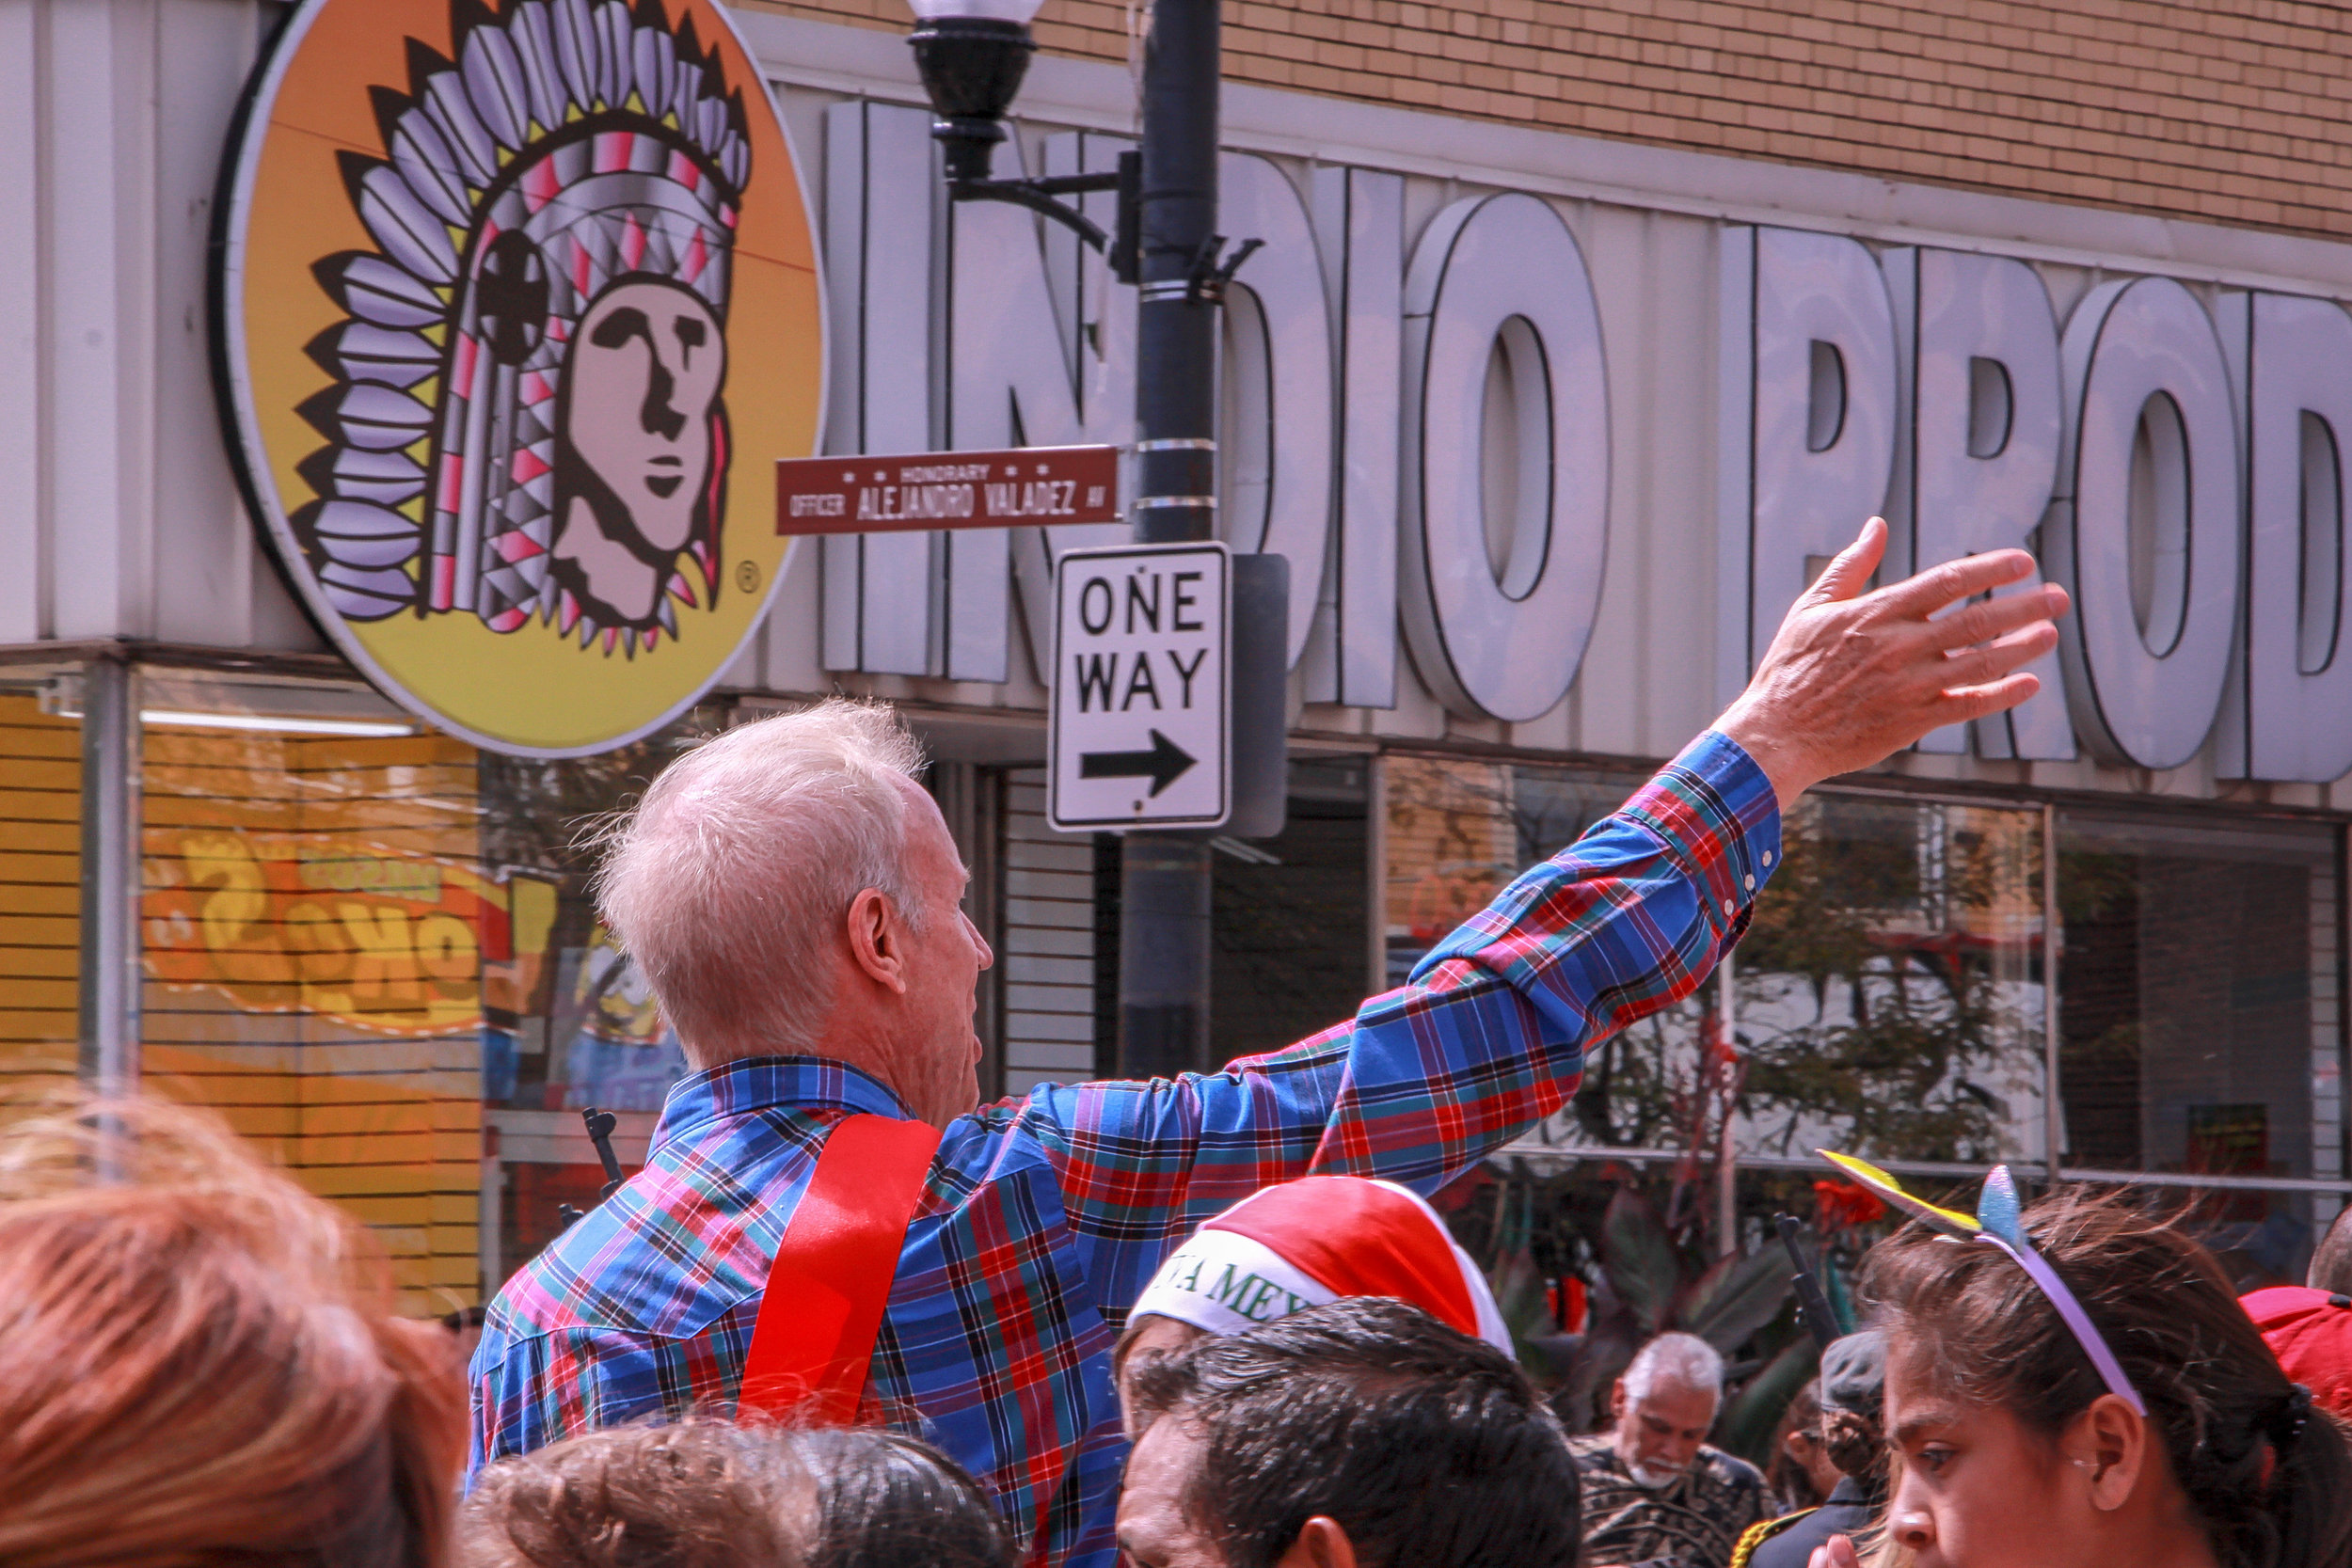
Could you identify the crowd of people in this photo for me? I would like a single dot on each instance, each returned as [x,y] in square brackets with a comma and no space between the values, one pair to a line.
[846,1317]
[202,1367]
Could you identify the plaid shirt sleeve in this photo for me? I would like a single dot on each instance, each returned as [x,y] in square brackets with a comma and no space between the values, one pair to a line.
[1485,1039]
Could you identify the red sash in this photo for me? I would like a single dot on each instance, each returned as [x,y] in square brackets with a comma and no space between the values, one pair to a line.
[814,1338]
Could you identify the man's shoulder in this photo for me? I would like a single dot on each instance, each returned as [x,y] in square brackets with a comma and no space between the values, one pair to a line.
[1767,1541]
[1603,1473]
[677,1245]
[1731,1470]
[692,1235]
[1594,1451]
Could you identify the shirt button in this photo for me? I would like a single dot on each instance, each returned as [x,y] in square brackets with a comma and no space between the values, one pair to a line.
[1768,857]
[1750,880]
[1730,906]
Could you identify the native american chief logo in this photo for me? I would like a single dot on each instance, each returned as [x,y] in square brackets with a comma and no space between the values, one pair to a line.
[528,421]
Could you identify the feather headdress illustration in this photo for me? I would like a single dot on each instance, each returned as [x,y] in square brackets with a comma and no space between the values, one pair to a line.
[526,421]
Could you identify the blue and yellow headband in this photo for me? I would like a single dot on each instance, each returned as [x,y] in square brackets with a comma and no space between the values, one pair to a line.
[1996,1221]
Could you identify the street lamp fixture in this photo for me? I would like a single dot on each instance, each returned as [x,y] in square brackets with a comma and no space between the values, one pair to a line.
[972,55]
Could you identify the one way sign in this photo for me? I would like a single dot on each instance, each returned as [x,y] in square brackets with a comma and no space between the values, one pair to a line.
[1140,730]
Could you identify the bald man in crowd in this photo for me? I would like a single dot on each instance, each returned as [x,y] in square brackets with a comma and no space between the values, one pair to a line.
[792,895]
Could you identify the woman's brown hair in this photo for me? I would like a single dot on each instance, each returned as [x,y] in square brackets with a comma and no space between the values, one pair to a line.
[199,1364]
[698,1494]
[1789,1480]
[2269,1477]
[708,1493]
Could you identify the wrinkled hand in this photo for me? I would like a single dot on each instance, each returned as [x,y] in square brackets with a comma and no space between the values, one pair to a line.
[1850,681]
[1837,1552]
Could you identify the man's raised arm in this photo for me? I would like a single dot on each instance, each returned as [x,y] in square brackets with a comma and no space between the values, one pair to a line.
[1488,1036]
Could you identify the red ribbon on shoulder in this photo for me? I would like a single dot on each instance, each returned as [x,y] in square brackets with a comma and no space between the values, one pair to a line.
[814,1339]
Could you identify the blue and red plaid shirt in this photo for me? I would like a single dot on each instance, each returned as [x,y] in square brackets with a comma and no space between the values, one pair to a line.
[1043,1217]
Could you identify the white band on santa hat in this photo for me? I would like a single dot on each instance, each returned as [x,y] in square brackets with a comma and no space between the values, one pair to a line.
[1316,1240]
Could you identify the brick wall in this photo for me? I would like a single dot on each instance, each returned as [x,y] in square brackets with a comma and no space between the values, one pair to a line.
[2230,113]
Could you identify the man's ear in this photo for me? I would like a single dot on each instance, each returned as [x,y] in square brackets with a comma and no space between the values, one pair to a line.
[876,939]
[1321,1544]
[1616,1399]
[2108,1444]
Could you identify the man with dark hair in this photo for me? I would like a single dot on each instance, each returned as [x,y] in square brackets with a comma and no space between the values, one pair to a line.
[1360,1433]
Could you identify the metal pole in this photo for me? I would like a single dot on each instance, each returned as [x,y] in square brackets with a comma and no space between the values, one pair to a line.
[1726,1160]
[110,878]
[1164,881]
[2053,1105]
[1376,874]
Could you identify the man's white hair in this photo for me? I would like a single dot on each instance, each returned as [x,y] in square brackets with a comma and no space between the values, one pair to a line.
[1683,1359]
[729,880]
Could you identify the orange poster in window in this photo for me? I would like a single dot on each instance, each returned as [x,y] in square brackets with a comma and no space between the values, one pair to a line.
[386,941]
[518,304]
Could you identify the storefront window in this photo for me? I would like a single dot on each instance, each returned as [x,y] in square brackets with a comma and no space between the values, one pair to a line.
[41,815]
[1458,830]
[568,1021]
[378,956]
[1889,999]
[1287,919]
[2200,1017]
[1888,995]
[373,949]
[314,923]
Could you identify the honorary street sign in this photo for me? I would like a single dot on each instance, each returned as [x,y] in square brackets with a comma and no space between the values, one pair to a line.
[947,489]
[1140,734]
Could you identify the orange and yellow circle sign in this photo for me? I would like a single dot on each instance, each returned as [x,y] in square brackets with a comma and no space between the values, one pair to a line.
[519,303]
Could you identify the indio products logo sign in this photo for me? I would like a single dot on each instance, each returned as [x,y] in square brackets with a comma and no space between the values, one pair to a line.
[517,306]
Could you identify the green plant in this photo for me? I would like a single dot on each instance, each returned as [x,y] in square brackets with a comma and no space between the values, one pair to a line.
[1868,935]
[1651,1281]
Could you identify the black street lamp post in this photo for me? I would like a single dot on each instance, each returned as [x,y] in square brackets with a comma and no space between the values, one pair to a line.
[1165,878]
[972,55]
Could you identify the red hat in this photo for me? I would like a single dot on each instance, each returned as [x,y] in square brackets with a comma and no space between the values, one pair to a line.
[2311,1333]
[1316,1240]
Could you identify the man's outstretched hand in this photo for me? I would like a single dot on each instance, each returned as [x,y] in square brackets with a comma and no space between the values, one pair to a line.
[1849,680]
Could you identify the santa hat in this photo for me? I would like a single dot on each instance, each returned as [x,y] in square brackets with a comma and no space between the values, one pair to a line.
[1316,1240]
[2311,1333]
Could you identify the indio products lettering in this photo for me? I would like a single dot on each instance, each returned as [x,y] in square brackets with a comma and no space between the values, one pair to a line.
[1856,377]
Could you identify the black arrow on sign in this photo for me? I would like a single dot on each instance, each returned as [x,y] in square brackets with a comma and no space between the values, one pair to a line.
[1163,764]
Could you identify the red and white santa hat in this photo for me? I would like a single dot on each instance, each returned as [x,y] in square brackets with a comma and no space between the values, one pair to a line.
[1316,1240]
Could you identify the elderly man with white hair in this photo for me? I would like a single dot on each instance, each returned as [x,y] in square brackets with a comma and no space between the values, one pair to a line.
[1654,1493]
[825,1216]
